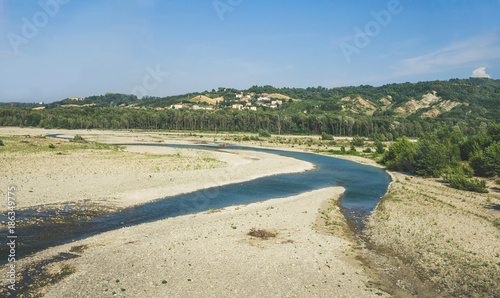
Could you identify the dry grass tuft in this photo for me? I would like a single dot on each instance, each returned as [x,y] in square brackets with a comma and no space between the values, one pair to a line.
[263,234]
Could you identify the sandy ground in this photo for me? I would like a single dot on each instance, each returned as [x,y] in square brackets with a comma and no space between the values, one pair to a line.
[138,175]
[210,255]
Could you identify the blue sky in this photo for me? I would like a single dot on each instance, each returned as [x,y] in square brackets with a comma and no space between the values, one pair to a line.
[53,49]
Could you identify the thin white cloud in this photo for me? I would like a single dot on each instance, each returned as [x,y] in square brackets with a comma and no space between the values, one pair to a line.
[480,73]
[475,49]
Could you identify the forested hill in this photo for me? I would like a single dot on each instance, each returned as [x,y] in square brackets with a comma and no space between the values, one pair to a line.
[385,113]
[456,98]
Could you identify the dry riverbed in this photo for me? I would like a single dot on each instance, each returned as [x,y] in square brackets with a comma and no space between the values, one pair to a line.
[424,239]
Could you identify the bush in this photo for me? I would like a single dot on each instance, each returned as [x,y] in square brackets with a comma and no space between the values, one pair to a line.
[78,139]
[477,163]
[246,138]
[380,147]
[358,142]
[325,136]
[367,150]
[264,133]
[492,159]
[1,143]
[400,156]
[51,146]
[459,181]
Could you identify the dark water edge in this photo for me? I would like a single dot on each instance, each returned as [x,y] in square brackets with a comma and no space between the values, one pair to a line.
[364,185]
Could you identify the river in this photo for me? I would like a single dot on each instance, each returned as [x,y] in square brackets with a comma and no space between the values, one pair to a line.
[364,186]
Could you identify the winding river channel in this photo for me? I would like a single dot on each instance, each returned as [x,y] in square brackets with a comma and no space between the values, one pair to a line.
[364,186]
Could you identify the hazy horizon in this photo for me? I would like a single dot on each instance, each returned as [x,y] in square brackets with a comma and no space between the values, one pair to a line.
[54,49]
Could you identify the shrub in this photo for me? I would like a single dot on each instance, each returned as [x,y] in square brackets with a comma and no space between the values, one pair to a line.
[353,149]
[400,156]
[78,139]
[263,234]
[1,143]
[264,133]
[367,150]
[358,142]
[326,137]
[461,182]
[246,138]
[477,163]
[380,147]
[492,159]
[51,146]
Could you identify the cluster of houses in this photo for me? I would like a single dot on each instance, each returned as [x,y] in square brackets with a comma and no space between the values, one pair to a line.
[263,100]
[242,102]
[186,106]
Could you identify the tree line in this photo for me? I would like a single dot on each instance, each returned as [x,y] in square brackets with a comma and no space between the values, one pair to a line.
[451,155]
[378,128]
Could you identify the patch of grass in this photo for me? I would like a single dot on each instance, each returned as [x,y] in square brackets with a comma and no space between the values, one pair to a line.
[20,144]
[210,211]
[463,183]
[261,233]
[79,248]
[78,139]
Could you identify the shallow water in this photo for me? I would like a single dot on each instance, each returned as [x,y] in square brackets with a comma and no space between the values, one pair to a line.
[364,185]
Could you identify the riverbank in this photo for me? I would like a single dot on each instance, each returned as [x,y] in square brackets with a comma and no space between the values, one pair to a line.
[427,239]
[210,254]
